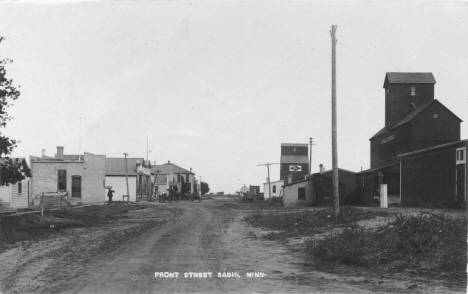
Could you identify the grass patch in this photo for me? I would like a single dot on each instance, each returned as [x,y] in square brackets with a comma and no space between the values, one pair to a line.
[32,226]
[418,242]
[306,222]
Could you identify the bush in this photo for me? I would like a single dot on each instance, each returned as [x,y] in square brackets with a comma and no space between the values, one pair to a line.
[408,241]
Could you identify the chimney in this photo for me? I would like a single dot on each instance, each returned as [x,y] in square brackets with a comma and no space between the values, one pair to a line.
[60,152]
[155,162]
[322,168]
[190,169]
[43,152]
[169,161]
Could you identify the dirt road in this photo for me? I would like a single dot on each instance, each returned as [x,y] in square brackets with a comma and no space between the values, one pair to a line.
[207,248]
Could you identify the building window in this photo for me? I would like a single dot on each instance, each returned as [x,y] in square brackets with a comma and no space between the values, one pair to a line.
[434,115]
[301,194]
[413,91]
[187,178]
[388,90]
[326,193]
[274,189]
[20,188]
[62,180]
[461,155]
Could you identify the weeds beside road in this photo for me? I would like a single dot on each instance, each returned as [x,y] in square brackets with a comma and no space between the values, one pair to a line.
[426,244]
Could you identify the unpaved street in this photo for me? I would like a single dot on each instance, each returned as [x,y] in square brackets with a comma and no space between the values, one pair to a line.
[199,238]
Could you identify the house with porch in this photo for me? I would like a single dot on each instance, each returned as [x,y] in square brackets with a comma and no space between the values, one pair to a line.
[170,175]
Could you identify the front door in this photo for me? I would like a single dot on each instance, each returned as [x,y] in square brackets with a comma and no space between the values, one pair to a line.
[461,175]
[76,187]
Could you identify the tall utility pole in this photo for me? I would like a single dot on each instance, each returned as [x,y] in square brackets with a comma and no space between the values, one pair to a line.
[310,159]
[200,187]
[268,167]
[336,197]
[126,173]
[147,147]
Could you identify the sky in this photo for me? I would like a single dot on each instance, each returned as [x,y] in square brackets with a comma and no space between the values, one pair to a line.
[217,86]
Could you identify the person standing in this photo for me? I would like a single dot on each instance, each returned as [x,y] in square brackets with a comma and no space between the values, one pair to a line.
[110,195]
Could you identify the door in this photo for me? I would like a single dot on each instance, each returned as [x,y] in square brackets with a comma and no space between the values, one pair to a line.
[460,188]
[76,187]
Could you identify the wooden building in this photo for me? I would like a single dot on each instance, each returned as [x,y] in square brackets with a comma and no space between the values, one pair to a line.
[294,163]
[414,120]
[316,190]
[435,175]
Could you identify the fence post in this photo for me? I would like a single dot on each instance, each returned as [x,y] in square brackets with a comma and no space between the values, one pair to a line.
[42,204]
[383,196]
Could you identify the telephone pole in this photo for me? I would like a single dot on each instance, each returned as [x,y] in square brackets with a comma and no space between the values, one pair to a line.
[336,194]
[310,159]
[268,167]
[126,173]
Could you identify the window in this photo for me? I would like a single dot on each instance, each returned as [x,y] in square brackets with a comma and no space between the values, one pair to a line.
[187,178]
[274,189]
[301,194]
[62,180]
[434,115]
[413,91]
[326,193]
[461,155]
[388,90]
[20,188]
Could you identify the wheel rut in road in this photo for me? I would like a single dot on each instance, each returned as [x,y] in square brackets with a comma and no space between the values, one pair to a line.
[189,244]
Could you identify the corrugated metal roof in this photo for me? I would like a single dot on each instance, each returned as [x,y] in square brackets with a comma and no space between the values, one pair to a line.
[409,78]
[116,166]
[294,159]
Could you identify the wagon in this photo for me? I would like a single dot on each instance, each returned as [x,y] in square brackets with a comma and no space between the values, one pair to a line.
[195,196]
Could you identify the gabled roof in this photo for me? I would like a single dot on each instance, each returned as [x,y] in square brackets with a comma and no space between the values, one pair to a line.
[378,133]
[416,112]
[409,78]
[295,159]
[169,168]
[116,166]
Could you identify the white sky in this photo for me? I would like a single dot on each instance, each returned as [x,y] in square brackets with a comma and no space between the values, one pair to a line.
[218,86]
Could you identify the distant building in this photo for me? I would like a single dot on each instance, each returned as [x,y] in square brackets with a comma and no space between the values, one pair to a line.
[81,176]
[294,163]
[171,175]
[276,189]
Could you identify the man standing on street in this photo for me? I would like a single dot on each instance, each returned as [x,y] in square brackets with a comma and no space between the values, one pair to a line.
[109,194]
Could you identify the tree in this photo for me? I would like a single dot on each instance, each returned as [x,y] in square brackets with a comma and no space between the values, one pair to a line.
[10,170]
[205,188]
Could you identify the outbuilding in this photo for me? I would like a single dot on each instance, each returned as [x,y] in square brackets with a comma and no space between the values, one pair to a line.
[316,190]
[435,175]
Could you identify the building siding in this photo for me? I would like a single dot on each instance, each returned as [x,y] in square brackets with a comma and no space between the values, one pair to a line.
[291,194]
[430,177]
[119,185]
[91,171]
